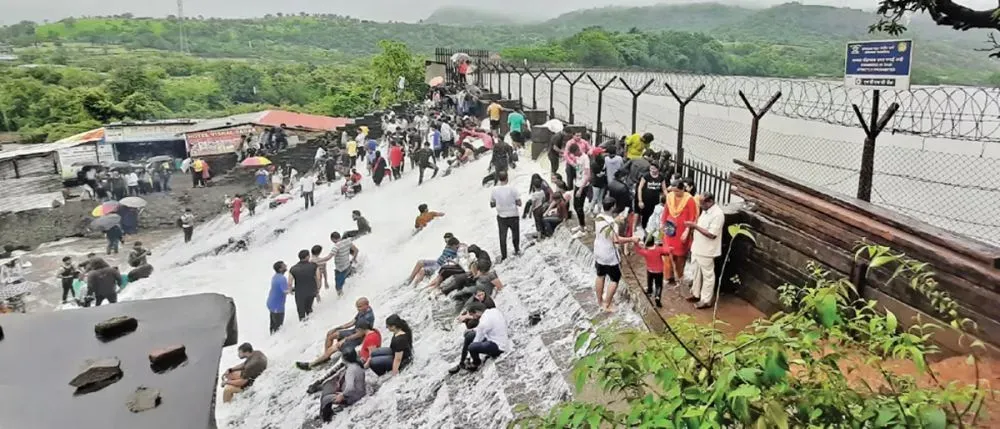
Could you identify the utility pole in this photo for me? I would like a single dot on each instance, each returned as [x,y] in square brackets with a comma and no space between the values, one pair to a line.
[180,25]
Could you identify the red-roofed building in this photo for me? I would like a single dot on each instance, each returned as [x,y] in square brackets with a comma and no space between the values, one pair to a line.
[223,135]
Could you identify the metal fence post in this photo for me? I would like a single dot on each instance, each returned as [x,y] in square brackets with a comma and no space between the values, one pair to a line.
[534,87]
[572,84]
[510,95]
[872,129]
[520,85]
[680,118]
[552,92]
[756,120]
[635,98]
[600,100]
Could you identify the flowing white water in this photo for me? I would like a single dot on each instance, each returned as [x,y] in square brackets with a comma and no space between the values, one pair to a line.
[546,278]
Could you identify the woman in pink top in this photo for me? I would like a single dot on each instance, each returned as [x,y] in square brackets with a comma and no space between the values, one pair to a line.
[487,140]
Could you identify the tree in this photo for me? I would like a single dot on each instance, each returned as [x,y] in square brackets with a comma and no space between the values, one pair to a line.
[396,60]
[98,105]
[239,82]
[129,79]
[789,370]
[944,12]
[140,106]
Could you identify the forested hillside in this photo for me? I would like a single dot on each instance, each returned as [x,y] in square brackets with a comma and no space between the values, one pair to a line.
[75,74]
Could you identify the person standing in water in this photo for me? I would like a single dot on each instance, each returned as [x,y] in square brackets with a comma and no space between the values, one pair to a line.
[308,187]
[506,200]
[305,282]
[68,273]
[276,296]
[344,253]
[606,258]
[237,207]
[186,223]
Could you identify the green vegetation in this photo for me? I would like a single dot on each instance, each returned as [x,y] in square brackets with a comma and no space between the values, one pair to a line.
[790,40]
[48,102]
[831,359]
[79,72]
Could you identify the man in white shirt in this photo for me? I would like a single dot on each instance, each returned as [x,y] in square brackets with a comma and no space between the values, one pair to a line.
[132,181]
[707,245]
[607,262]
[307,185]
[447,138]
[489,337]
[506,200]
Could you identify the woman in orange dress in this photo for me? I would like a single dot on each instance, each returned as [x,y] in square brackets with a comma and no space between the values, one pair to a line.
[681,207]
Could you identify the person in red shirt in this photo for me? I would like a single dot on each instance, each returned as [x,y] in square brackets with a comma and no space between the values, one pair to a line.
[654,254]
[237,206]
[372,340]
[396,159]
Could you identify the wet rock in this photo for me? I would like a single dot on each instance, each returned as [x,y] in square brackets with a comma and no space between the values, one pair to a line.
[96,375]
[167,358]
[144,398]
[115,327]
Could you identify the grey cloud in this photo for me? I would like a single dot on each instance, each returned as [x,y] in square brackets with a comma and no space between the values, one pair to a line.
[12,11]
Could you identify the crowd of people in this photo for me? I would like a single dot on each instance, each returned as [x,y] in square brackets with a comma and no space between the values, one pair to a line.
[635,200]
[95,281]
[637,208]
[434,139]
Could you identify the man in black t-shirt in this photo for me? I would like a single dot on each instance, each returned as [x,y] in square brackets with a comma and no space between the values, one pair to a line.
[304,281]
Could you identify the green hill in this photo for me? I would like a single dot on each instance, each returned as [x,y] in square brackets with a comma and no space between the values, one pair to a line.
[755,39]
[699,17]
[468,16]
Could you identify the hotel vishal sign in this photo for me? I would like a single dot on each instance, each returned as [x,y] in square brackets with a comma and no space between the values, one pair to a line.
[216,142]
[879,64]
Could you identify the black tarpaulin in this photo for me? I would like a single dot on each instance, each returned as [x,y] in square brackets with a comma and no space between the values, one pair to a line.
[42,352]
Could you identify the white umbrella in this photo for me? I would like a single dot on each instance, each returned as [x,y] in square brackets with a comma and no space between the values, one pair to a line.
[554,125]
[134,202]
[461,56]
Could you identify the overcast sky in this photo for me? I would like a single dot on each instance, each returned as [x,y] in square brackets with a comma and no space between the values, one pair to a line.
[12,11]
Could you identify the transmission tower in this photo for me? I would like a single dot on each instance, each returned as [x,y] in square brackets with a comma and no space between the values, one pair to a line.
[180,25]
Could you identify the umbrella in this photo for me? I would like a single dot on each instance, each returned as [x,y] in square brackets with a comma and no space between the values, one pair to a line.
[105,209]
[105,222]
[436,81]
[461,56]
[255,161]
[554,125]
[118,165]
[161,158]
[134,202]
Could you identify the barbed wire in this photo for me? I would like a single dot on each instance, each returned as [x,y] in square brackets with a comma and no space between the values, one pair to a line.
[964,188]
[953,112]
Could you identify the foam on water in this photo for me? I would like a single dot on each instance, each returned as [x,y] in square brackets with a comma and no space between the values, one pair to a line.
[543,279]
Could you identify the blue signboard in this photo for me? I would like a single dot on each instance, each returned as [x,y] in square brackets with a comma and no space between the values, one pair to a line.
[879,64]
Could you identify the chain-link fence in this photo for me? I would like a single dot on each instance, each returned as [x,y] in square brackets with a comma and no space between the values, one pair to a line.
[938,160]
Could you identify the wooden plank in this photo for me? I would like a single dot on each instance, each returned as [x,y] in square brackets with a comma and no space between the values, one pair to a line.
[908,316]
[802,242]
[918,248]
[938,236]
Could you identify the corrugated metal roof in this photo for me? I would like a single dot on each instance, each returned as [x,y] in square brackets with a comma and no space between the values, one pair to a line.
[21,203]
[38,149]
[273,118]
